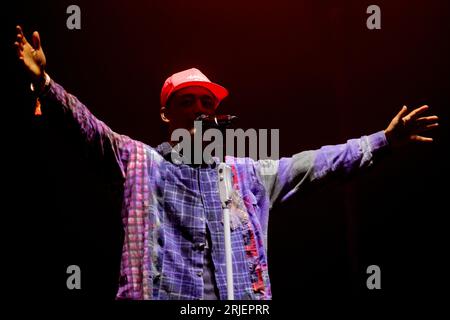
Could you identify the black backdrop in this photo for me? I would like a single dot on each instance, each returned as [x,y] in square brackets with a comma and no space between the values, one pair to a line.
[311,69]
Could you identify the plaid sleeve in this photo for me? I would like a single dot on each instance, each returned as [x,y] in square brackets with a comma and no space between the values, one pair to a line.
[285,177]
[102,143]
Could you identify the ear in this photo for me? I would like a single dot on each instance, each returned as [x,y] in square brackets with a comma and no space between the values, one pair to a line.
[162,113]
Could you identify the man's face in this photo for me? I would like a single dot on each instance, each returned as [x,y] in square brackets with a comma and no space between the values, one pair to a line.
[187,104]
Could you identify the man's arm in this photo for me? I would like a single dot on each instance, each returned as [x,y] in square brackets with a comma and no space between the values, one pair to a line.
[287,176]
[103,143]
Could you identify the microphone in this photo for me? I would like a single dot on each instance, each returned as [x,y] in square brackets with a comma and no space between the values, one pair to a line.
[220,120]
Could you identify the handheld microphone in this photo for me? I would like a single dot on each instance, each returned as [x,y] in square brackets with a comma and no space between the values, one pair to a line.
[220,120]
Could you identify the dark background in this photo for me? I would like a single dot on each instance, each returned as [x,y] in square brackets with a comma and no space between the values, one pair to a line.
[310,68]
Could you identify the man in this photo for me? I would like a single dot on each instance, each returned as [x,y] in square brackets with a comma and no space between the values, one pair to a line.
[171,212]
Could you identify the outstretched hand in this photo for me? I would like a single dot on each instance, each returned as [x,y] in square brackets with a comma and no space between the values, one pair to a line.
[407,127]
[31,55]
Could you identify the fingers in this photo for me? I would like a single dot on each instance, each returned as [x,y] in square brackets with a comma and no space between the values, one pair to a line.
[36,40]
[18,45]
[19,50]
[424,120]
[413,114]
[19,30]
[421,139]
[427,127]
[20,42]
[402,112]
[20,37]
[426,123]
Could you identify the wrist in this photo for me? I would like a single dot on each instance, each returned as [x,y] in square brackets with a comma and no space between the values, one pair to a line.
[393,139]
[41,83]
[387,134]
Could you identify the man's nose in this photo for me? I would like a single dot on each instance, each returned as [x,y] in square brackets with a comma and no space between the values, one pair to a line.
[200,108]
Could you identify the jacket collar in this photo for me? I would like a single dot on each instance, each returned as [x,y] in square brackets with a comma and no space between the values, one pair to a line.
[172,154]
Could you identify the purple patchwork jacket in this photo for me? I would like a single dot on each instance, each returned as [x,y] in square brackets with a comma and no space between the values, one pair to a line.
[167,207]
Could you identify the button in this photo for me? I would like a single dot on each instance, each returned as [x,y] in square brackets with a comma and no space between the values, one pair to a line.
[157,278]
[200,273]
[202,219]
[199,246]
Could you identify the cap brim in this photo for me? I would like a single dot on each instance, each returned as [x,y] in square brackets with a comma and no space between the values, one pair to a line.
[217,90]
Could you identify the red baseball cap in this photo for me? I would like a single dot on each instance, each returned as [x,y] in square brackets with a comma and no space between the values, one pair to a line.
[188,78]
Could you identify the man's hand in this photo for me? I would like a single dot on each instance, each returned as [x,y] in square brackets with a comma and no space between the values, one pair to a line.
[31,55]
[406,127]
